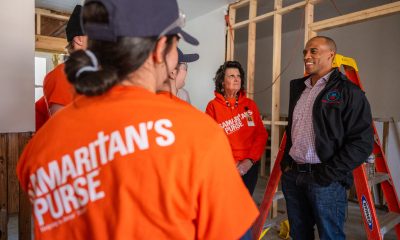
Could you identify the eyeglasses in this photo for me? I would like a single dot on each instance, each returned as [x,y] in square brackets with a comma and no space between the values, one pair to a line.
[179,22]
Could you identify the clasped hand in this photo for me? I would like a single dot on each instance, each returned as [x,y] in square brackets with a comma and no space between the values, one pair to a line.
[244,166]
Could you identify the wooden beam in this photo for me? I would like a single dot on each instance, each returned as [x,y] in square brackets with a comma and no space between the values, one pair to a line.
[241,24]
[385,138]
[280,123]
[239,4]
[3,187]
[230,36]
[356,17]
[50,44]
[51,14]
[281,11]
[38,24]
[251,50]
[276,70]
[308,20]
[276,88]
[292,7]
[59,30]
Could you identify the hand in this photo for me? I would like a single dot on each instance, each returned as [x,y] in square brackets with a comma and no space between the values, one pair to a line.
[244,166]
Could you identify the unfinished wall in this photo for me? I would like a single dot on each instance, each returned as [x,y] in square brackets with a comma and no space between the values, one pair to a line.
[17,66]
[373,44]
[209,29]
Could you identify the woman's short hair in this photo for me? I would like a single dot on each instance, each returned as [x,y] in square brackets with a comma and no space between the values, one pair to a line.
[220,75]
[116,59]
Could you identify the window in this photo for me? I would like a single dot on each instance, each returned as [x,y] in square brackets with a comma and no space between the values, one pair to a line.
[40,73]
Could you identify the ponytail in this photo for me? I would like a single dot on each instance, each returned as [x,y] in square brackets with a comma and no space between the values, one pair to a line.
[89,83]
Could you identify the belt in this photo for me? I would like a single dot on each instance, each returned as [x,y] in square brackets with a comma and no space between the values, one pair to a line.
[305,167]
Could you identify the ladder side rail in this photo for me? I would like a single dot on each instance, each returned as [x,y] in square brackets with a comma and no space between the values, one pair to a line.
[270,191]
[366,203]
[387,187]
[368,212]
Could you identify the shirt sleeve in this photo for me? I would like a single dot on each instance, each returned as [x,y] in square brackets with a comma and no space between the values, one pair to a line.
[226,209]
[210,110]
[56,87]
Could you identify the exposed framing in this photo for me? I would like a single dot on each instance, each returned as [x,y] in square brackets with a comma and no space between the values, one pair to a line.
[311,29]
[48,43]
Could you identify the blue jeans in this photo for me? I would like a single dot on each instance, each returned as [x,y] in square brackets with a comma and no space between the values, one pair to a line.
[308,203]
[247,235]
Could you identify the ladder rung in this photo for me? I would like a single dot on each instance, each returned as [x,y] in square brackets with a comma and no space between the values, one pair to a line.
[378,178]
[275,221]
[278,195]
[388,221]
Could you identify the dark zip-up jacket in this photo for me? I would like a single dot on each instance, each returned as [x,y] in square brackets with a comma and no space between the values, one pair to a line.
[343,130]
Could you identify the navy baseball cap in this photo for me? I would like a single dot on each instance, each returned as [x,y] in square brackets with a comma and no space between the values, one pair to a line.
[74,27]
[187,58]
[139,18]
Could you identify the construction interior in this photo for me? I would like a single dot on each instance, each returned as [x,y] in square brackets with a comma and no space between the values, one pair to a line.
[266,36]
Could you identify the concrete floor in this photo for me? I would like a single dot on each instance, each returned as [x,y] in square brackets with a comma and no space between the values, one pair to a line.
[354,227]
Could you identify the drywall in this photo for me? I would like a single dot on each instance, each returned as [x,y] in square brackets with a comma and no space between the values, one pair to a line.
[209,29]
[17,66]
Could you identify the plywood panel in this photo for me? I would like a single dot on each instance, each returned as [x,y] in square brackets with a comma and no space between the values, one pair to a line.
[3,187]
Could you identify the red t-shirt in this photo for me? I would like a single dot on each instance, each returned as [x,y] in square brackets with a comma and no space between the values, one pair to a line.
[242,124]
[133,165]
[56,87]
[41,112]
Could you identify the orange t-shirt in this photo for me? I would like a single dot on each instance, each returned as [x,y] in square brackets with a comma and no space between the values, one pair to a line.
[56,87]
[133,165]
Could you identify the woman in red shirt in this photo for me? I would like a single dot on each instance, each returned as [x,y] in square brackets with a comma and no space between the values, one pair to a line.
[240,119]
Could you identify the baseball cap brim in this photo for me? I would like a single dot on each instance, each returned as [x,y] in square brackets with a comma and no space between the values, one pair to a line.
[187,58]
[187,37]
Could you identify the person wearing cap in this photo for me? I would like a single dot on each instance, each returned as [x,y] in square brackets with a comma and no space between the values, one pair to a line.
[125,164]
[240,119]
[56,88]
[177,78]
[181,72]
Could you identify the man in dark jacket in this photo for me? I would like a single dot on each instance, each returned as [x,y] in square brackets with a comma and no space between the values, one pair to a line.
[329,134]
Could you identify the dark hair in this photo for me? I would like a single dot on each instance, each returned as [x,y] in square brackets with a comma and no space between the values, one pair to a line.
[70,47]
[116,59]
[330,42]
[220,75]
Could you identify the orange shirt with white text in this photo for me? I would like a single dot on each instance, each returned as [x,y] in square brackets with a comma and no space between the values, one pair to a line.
[133,165]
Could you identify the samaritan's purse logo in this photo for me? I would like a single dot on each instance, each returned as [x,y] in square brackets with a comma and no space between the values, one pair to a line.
[332,96]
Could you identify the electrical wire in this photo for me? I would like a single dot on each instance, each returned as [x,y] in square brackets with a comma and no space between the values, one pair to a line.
[298,40]
[335,6]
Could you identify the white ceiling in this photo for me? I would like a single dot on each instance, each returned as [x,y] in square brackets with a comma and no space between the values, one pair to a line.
[192,8]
